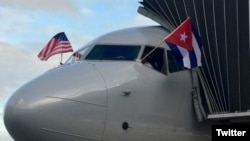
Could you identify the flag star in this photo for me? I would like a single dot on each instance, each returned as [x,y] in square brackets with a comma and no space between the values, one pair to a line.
[184,37]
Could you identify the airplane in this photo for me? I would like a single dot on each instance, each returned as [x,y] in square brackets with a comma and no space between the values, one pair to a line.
[108,94]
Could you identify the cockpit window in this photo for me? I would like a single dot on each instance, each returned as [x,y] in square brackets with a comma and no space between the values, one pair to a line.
[76,56]
[155,57]
[113,52]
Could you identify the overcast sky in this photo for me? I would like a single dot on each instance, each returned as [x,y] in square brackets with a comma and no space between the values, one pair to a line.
[27,25]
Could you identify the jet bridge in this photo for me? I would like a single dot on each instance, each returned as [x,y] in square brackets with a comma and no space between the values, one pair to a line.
[223,25]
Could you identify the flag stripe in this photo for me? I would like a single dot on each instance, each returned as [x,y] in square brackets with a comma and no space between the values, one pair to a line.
[197,50]
[193,59]
[197,45]
[50,46]
[58,51]
[197,37]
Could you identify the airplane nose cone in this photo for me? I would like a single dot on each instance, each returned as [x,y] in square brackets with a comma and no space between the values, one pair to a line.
[11,118]
[65,104]
[19,119]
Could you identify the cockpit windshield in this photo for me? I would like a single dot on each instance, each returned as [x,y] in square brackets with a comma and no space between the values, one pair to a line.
[113,52]
[76,56]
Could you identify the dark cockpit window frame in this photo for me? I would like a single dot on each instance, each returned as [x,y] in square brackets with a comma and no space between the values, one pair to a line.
[114,52]
[156,58]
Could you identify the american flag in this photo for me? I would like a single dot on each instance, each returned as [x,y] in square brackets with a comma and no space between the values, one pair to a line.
[57,45]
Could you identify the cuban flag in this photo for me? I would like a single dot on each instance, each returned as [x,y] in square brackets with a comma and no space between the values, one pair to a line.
[186,44]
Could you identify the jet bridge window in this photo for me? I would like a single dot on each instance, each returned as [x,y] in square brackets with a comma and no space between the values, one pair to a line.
[114,52]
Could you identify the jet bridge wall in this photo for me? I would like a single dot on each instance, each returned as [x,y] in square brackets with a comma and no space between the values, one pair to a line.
[224,28]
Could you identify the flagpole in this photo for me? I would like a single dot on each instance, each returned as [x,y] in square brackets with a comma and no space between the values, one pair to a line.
[61,59]
[152,50]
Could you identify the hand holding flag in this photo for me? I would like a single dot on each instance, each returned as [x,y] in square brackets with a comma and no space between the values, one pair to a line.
[57,45]
[186,44]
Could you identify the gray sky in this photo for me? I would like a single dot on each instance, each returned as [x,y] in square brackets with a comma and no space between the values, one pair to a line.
[27,25]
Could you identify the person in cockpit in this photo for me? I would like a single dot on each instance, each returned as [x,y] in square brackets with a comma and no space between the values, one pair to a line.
[147,63]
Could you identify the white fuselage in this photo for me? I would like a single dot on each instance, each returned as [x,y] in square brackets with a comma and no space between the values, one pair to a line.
[107,100]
